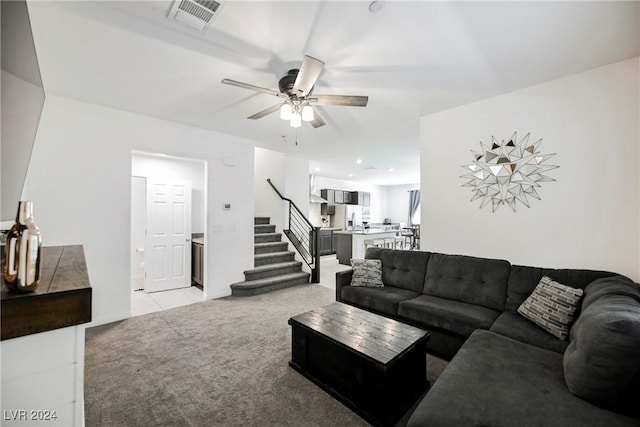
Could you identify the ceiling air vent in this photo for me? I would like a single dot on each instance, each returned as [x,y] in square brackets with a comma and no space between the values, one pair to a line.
[195,13]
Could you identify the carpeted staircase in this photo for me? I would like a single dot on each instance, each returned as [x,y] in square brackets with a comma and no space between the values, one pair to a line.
[275,267]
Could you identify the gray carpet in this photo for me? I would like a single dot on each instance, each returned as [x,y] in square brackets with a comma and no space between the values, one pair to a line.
[219,362]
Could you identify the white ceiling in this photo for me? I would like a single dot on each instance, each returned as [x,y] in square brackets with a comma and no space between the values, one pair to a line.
[410,58]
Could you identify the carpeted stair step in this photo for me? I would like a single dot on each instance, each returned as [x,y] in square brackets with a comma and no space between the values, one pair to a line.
[273,258]
[271,270]
[261,220]
[269,247]
[261,286]
[267,237]
[264,228]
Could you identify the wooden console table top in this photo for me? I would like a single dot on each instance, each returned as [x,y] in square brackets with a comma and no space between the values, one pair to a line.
[62,299]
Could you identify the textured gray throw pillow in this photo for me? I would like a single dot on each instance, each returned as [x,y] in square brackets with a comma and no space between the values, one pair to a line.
[552,306]
[367,272]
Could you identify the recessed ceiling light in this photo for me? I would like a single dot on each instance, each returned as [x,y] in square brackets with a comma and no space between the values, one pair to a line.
[390,169]
[359,161]
[317,169]
[375,6]
[350,174]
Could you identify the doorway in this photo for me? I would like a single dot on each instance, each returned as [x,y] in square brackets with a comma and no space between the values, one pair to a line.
[168,209]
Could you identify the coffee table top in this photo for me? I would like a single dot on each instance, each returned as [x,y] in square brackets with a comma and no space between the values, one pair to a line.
[377,337]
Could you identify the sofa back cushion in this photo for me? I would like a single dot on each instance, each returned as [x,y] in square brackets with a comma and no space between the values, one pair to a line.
[523,280]
[602,362]
[401,269]
[479,281]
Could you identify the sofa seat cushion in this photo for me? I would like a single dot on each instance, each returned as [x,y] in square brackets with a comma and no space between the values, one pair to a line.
[401,269]
[496,381]
[517,327]
[382,300]
[478,281]
[454,316]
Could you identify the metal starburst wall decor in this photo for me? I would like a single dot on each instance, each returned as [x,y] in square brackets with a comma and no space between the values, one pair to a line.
[507,171]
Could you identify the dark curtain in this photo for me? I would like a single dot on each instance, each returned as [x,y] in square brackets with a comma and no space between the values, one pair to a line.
[414,202]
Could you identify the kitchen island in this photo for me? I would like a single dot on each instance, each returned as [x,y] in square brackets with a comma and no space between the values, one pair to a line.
[350,244]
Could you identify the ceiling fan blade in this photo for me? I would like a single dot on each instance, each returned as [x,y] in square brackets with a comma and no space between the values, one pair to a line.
[265,112]
[307,76]
[317,120]
[253,87]
[348,100]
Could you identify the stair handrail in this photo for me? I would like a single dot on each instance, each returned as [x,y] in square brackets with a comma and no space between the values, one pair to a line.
[312,248]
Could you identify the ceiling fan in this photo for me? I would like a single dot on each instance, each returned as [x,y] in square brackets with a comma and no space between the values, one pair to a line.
[296,92]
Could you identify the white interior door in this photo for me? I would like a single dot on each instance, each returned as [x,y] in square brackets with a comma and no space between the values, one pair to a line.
[168,243]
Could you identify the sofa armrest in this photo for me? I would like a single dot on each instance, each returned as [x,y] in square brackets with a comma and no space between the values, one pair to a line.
[343,278]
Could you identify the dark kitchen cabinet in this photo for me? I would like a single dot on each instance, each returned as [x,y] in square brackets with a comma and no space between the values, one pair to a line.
[328,195]
[326,242]
[197,259]
[326,239]
[344,248]
[361,198]
[346,197]
[339,197]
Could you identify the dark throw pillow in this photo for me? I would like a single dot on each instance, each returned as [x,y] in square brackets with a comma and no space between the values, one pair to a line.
[552,307]
[367,272]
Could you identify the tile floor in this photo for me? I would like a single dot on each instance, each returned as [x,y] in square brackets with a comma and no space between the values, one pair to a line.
[329,266]
[144,303]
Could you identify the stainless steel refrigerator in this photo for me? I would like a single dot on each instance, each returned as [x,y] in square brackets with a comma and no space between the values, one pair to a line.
[348,217]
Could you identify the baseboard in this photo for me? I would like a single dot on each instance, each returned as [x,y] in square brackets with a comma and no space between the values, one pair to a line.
[109,319]
[219,294]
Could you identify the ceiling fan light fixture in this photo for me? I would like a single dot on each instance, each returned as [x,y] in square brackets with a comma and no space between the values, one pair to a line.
[286,112]
[296,121]
[307,113]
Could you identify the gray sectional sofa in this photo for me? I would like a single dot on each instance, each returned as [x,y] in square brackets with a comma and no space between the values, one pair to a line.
[505,369]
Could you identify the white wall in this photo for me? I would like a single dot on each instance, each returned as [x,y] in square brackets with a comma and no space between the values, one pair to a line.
[378,193]
[269,165]
[588,218]
[79,179]
[290,175]
[192,171]
[398,202]
[296,182]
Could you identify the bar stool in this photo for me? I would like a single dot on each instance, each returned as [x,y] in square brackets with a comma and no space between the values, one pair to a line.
[373,242]
[398,242]
[389,242]
[407,235]
[416,237]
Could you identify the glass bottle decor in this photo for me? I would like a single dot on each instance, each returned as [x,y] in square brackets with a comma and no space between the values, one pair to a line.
[23,250]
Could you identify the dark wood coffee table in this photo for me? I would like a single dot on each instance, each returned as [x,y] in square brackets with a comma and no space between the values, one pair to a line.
[374,365]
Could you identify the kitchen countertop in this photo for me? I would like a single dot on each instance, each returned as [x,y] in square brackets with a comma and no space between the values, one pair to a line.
[198,240]
[368,232]
[330,229]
